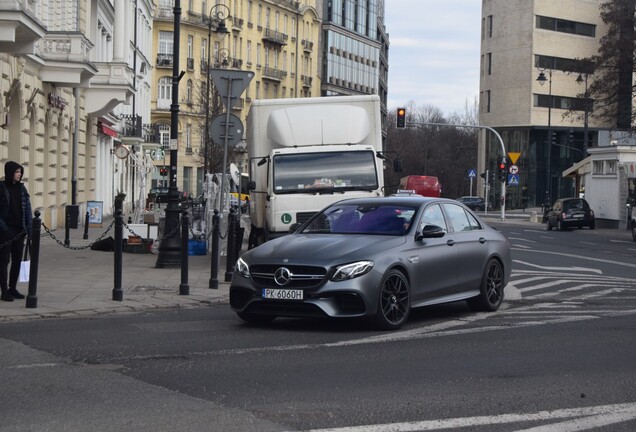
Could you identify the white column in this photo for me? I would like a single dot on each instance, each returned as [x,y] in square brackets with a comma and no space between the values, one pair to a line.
[119,36]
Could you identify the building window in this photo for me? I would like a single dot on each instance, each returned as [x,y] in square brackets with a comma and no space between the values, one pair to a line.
[562,64]
[188,139]
[559,102]
[597,167]
[189,92]
[166,42]
[611,167]
[489,63]
[164,91]
[487,102]
[489,26]
[164,136]
[565,26]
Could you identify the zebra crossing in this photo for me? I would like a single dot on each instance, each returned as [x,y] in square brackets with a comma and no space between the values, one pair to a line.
[551,297]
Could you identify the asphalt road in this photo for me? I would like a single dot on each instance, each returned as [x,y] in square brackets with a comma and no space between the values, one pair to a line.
[559,355]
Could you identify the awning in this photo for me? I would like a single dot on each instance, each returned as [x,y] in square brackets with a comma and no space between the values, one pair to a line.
[107,130]
[573,170]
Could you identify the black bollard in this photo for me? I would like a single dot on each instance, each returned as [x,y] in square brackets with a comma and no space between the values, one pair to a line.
[67,227]
[214,265]
[32,298]
[184,288]
[231,242]
[86,226]
[118,294]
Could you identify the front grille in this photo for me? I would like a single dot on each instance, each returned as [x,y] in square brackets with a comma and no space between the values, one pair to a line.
[301,276]
[303,217]
[288,309]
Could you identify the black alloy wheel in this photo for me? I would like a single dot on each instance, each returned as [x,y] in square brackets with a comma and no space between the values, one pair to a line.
[394,305]
[491,291]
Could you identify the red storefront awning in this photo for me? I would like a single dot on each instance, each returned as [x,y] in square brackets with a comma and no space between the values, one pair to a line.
[107,130]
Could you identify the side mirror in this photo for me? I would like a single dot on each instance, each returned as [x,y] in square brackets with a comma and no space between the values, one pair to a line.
[430,231]
[262,161]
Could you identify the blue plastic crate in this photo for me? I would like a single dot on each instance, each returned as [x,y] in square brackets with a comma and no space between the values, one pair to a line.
[197,247]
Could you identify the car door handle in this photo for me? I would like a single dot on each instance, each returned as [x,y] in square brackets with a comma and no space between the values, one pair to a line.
[450,242]
[482,240]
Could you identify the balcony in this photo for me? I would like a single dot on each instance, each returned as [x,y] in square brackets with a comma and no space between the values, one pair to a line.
[239,104]
[112,85]
[306,80]
[308,46]
[19,27]
[273,74]
[164,12]
[274,38]
[237,23]
[132,126]
[236,63]
[164,60]
[204,66]
[190,64]
[65,58]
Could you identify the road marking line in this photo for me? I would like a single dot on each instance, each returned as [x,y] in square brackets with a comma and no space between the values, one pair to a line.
[607,261]
[543,285]
[609,413]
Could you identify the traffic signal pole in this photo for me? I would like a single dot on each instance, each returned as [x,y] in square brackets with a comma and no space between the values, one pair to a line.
[501,143]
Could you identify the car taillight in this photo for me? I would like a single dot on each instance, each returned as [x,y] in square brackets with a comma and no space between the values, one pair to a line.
[563,215]
[591,213]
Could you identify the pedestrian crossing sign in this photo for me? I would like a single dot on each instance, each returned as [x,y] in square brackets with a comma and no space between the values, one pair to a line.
[513,179]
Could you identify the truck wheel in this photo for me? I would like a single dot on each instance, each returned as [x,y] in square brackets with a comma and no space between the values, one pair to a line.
[255,237]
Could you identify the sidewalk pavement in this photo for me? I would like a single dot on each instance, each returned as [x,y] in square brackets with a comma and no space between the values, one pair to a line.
[76,281]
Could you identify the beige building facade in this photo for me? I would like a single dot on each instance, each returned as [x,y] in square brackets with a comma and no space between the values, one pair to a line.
[277,41]
[520,40]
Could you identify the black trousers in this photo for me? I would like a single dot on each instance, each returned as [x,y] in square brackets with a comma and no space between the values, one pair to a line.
[12,243]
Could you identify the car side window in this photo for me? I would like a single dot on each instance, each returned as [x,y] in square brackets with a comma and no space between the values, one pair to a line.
[473,222]
[433,216]
[458,218]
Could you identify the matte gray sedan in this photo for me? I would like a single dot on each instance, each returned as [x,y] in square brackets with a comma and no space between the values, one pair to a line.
[374,258]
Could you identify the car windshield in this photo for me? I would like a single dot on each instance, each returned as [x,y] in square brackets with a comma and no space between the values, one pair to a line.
[325,172]
[363,219]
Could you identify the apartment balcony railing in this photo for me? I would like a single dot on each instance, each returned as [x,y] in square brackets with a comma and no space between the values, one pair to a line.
[306,80]
[240,103]
[204,66]
[132,126]
[236,63]
[164,60]
[237,23]
[271,73]
[150,133]
[190,63]
[274,37]
[307,45]
[165,12]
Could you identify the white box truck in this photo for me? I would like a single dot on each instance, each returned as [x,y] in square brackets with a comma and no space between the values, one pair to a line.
[307,153]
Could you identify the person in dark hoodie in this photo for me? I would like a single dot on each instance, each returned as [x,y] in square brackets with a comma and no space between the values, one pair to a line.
[15,225]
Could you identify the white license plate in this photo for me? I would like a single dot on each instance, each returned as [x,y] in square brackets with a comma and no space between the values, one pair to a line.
[282,294]
[577,216]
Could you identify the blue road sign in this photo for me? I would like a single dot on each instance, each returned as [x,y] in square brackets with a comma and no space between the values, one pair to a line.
[472,173]
[513,179]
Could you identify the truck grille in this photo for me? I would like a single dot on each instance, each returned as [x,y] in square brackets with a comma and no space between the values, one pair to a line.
[304,216]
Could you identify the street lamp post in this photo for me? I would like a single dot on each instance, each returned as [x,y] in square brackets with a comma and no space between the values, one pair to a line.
[221,29]
[170,245]
[542,79]
[580,79]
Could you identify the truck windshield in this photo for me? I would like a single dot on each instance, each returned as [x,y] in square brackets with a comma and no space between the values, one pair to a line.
[325,172]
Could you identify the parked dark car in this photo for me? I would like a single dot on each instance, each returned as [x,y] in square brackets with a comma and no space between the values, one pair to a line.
[633,226]
[473,202]
[374,258]
[570,213]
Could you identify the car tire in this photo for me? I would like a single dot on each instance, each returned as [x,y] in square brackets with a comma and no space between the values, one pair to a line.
[394,302]
[547,225]
[255,318]
[634,231]
[560,226]
[491,291]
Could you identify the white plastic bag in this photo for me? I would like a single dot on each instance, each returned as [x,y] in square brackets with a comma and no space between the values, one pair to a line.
[25,271]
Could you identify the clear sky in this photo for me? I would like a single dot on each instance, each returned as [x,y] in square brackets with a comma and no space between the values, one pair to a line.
[433,52]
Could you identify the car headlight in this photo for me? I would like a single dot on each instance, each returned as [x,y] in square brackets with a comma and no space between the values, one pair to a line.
[242,268]
[350,271]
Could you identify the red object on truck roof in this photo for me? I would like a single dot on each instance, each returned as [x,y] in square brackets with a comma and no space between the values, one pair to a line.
[422,185]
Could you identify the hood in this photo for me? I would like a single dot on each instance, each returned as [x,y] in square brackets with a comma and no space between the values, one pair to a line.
[321,249]
[9,170]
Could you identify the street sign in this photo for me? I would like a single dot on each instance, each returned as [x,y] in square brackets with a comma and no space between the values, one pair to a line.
[514,169]
[234,130]
[472,173]
[513,179]
[230,83]
[514,156]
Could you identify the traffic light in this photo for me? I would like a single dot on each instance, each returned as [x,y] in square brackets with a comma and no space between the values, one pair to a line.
[163,171]
[401,117]
[484,175]
[503,171]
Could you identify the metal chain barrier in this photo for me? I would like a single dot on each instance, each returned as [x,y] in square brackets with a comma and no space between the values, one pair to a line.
[61,243]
